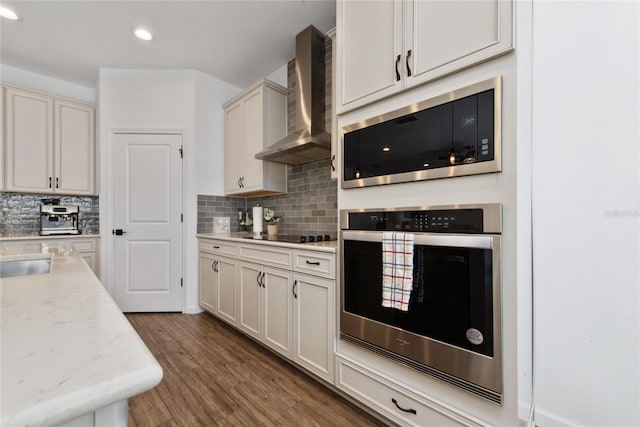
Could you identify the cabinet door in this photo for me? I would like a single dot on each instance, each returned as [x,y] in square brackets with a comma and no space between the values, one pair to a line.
[74,151]
[252,168]
[369,45]
[250,283]
[207,280]
[314,324]
[2,138]
[29,142]
[278,310]
[446,36]
[227,290]
[233,148]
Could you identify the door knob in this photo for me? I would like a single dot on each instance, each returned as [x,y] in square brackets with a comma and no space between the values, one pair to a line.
[118,232]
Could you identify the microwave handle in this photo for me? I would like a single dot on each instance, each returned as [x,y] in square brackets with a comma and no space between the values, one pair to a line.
[485,241]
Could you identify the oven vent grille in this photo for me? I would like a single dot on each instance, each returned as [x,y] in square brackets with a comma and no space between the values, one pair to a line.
[482,392]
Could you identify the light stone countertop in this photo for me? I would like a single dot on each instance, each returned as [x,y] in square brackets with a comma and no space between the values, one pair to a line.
[54,236]
[66,348]
[330,246]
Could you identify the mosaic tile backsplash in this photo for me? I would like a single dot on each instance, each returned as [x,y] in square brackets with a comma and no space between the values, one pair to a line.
[20,213]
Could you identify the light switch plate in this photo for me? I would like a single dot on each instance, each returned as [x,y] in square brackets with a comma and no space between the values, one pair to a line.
[221,224]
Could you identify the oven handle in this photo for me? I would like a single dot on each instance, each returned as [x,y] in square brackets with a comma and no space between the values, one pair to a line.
[484,241]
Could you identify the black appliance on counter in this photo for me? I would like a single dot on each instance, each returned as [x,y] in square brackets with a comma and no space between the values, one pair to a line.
[57,220]
[294,238]
[454,134]
[452,326]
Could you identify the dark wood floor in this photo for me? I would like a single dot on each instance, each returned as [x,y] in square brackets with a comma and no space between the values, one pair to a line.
[213,375]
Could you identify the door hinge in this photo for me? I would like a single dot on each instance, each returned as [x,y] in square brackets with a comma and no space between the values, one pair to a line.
[181,217]
[181,283]
[181,152]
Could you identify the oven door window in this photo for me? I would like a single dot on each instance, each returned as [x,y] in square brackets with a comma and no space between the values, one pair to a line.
[451,301]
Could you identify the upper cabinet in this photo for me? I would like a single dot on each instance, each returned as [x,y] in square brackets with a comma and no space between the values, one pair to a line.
[254,121]
[50,144]
[386,46]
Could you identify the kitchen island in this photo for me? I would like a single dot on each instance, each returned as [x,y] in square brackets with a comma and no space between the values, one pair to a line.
[68,354]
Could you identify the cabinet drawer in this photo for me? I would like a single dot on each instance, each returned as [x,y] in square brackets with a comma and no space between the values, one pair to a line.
[315,263]
[272,256]
[387,398]
[219,247]
[84,245]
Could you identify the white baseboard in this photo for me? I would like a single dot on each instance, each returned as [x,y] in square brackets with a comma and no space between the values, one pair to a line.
[194,309]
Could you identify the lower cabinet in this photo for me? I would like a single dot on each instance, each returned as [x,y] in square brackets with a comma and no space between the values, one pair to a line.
[314,315]
[281,297]
[265,306]
[394,401]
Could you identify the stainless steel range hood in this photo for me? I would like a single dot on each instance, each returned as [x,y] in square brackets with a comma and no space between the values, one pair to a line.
[310,141]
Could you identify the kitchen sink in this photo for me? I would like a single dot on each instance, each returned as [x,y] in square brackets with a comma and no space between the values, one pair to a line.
[23,267]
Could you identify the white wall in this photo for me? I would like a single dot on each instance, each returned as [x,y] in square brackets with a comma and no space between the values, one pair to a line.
[29,80]
[586,220]
[176,100]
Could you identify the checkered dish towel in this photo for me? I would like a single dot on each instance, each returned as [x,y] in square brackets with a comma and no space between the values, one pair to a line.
[397,270]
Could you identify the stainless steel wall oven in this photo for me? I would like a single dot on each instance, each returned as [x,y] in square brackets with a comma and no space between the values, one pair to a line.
[454,134]
[452,327]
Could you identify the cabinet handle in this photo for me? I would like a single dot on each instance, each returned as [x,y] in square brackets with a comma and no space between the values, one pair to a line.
[408,68]
[312,263]
[259,280]
[50,182]
[242,181]
[293,289]
[216,247]
[216,267]
[57,182]
[397,72]
[411,411]
[239,185]
[333,167]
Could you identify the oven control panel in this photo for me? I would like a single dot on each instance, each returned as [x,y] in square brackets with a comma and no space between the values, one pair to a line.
[427,221]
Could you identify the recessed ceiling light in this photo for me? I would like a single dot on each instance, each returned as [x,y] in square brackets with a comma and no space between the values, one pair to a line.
[8,13]
[386,148]
[142,34]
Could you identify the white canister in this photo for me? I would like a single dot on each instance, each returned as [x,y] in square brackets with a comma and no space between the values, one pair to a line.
[257,219]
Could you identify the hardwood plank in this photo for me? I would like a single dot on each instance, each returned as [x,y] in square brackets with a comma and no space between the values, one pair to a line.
[215,375]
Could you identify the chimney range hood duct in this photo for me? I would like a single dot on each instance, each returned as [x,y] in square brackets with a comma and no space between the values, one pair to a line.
[309,142]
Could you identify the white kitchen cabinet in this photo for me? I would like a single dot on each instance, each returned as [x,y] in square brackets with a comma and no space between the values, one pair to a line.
[334,117]
[2,138]
[265,306]
[50,144]
[415,41]
[253,121]
[208,288]
[314,314]
[218,292]
[399,404]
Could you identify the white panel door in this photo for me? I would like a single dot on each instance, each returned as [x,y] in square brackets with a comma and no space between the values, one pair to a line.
[147,208]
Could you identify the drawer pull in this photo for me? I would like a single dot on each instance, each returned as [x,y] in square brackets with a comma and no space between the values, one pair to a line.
[216,247]
[411,411]
[312,263]
[293,289]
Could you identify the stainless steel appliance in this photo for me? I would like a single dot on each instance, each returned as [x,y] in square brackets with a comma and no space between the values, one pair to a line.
[55,219]
[455,134]
[452,328]
[294,238]
[309,141]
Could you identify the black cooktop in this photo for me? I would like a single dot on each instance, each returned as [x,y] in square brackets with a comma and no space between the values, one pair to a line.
[295,238]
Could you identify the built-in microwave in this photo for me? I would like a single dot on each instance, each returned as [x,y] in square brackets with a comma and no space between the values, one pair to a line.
[454,134]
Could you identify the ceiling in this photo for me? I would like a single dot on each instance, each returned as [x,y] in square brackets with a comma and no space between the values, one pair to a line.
[235,41]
